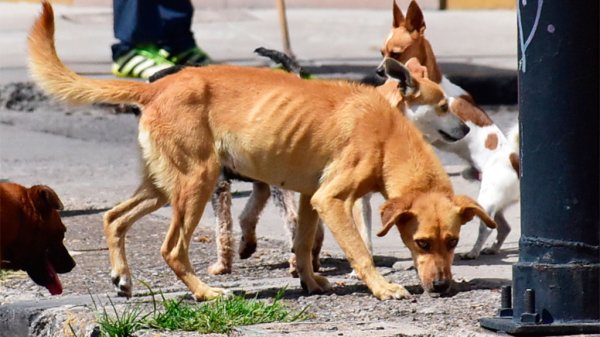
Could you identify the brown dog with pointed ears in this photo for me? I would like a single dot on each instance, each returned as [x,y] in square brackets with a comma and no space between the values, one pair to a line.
[332,142]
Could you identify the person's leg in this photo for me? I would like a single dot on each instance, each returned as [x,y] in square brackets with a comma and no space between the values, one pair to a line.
[178,38]
[139,27]
[135,22]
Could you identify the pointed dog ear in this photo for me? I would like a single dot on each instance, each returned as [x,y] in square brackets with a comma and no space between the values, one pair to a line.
[416,68]
[395,212]
[397,71]
[469,208]
[414,18]
[45,198]
[398,15]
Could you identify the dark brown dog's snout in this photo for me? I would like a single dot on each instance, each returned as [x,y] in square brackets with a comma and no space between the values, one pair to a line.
[441,286]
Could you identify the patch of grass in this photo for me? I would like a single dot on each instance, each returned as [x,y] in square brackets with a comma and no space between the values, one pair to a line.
[124,324]
[3,274]
[223,314]
[218,316]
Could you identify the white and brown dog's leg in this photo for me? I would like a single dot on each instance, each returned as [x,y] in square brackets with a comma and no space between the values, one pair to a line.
[117,222]
[503,231]
[361,212]
[249,218]
[221,203]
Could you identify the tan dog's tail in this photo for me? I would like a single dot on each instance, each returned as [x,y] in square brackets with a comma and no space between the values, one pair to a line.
[59,81]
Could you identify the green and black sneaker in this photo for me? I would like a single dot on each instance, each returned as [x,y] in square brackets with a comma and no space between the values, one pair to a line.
[193,56]
[142,62]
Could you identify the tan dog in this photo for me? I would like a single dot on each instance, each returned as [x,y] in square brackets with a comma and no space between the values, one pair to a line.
[492,157]
[31,234]
[262,124]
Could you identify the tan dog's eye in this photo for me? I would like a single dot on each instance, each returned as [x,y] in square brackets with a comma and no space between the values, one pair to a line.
[423,245]
[452,243]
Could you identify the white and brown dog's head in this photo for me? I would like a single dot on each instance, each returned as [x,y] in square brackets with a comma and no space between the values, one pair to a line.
[429,224]
[423,101]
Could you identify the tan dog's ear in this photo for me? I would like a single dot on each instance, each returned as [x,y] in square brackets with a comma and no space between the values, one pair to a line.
[398,16]
[45,198]
[469,208]
[397,71]
[416,68]
[414,18]
[395,212]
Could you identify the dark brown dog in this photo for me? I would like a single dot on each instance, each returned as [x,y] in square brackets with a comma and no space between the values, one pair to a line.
[31,234]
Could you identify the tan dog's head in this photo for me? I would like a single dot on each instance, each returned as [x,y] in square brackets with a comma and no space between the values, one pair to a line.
[407,38]
[429,224]
[423,101]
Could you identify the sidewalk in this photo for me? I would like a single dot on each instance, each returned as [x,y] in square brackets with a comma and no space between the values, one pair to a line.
[475,48]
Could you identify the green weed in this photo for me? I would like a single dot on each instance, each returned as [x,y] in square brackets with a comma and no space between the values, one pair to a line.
[218,316]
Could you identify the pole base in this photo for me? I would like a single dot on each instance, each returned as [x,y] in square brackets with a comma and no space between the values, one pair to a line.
[528,329]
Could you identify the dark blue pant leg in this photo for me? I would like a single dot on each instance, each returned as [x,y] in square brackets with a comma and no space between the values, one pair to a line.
[135,22]
[163,22]
[177,19]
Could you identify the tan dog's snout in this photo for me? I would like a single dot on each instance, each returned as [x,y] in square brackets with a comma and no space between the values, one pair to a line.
[429,225]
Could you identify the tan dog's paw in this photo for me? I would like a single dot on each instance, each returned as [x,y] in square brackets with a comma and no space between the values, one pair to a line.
[392,291]
[210,293]
[319,286]
[122,284]
[219,268]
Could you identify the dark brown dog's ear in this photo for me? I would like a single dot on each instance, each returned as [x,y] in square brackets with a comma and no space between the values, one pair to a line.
[469,208]
[398,15]
[45,198]
[395,212]
[397,71]
[414,18]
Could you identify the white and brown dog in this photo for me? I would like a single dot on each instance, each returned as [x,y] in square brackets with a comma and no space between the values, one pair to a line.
[262,124]
[493,159]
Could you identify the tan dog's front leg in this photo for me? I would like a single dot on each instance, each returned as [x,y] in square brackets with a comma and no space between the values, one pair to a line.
[337,214]
[303,244]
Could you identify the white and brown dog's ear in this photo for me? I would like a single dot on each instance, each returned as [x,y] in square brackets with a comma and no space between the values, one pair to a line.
[395,212]
[469,208]
[415,22]
[416,68]
[397,71]
[398,15]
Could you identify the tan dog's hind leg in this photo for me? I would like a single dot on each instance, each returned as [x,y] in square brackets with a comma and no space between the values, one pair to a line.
[221,203]
[303,244]
[117,222]
[191,193]
[334,202]
[249,218]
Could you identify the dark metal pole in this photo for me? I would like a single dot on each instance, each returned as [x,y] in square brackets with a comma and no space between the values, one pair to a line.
[556,282]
